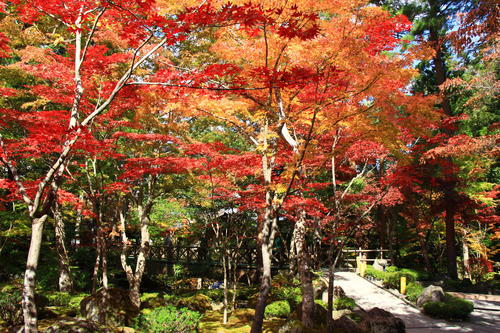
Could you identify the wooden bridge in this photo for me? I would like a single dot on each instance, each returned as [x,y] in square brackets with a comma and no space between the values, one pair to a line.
[245,257]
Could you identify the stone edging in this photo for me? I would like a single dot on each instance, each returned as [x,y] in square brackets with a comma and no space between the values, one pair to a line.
[476,297]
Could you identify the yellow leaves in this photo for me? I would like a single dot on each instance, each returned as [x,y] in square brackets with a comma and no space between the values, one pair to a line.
[59,39]
[36,104]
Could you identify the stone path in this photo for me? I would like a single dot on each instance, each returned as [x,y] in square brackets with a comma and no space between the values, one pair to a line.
[486,319]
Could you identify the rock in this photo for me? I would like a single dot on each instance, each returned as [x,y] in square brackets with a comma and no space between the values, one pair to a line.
[72,325]
[319,286]
[117,308]
[380,321]
[337,314]
[292,326]
[430,294]
[380,264]
[217,306]
[125,329]
[338,292]
[346,325]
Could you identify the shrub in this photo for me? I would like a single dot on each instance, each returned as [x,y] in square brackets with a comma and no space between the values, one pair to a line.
[291,294]
[321,303]
[393,280]
[10,308]
[342,303]
[391,269]
[59,298]
[279,309]
[453,308]
[413,291]
[376,274]
[169,320]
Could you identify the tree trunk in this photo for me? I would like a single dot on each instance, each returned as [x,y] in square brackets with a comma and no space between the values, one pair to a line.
[28,301]
[440,75]
[235,286]
[451,252]
[135,277]
[425,253]
[304,272]
[465,246]
[224,266]
[95,274]
[266,240]
[65,280]
[265,288]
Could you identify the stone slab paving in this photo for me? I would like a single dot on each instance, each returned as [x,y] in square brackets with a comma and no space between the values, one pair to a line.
[367,296]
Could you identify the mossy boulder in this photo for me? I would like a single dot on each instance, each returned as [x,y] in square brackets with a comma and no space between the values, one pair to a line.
[430,294]
[115,307]
[199,302]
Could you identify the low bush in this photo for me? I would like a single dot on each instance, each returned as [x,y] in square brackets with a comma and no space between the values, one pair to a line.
[391,269]
[452,308]
[322,303]
[10,308]
[413,291]
[292,295]
[342,303]
[393,280]
[393,274]
[278,309]
[169,320]
[374,273]
[59,298]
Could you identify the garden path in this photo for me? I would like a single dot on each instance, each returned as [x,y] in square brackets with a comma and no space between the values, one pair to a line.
[485,319]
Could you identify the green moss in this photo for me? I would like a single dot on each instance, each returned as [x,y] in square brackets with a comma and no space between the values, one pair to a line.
[278,309]
[452,308]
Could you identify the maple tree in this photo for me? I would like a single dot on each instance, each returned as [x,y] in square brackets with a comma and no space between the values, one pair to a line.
[92,79]
[287,97]
[313,125]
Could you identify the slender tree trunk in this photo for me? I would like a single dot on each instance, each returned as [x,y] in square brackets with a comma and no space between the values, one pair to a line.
[78,223]
[65,280]
[95,274]
[235,286]
[425,253]
[465,248]
[451,251]
[440,75]
[135,277]
[293,257]
[28,301]
[224,267]
[304,272]
[266,239]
